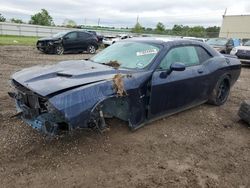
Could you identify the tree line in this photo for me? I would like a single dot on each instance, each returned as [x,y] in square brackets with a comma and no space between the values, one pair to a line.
[43,18]
[40,18]
[179,30]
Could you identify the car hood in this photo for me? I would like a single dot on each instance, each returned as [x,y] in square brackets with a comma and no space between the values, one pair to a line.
[64,75]
[48,39]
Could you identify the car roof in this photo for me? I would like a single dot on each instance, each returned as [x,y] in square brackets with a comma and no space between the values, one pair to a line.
[162,40]
[168,41]
[83,31]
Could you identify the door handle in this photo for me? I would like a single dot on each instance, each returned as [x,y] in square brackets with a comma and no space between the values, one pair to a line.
[200,71]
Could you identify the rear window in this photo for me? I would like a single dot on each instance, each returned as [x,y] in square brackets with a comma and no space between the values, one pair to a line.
[217,42]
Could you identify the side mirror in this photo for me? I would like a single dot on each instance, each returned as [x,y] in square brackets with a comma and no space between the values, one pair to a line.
[177,66]
[173,67]
[65,38]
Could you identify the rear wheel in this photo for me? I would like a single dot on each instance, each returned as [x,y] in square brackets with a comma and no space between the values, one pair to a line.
[59,49]
[221,91]
[91,49]
[244,111]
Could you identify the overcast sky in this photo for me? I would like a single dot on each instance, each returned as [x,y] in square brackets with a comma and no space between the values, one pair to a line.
[123,13]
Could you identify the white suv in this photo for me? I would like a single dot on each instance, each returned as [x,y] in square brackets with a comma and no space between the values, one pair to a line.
[242,52]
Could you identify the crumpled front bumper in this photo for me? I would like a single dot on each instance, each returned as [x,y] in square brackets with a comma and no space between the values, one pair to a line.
[47,122]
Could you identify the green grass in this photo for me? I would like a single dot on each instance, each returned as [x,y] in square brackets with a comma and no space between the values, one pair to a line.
[17,40]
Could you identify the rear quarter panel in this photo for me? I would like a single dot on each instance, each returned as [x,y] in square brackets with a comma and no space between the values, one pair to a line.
[223,65]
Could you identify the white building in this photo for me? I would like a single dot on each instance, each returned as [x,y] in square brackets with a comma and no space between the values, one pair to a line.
[235,26]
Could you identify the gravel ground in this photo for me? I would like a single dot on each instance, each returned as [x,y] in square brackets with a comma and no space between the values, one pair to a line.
[205,146]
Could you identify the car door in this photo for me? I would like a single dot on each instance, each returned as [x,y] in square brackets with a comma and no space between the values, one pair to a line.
[70,41]
[229,46]
[84,40]
[178,90]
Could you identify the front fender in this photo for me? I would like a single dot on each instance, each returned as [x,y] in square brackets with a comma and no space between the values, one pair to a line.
[76,104]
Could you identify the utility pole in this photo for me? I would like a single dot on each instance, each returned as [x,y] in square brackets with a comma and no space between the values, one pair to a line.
[225,12]
[98,21]
[85,21]
[137,19]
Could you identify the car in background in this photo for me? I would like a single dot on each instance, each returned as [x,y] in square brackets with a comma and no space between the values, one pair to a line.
[244,40]
[196,39]
[108,40]
[242,52]
[136,80]
[98,36]
[223,45]
[68,41]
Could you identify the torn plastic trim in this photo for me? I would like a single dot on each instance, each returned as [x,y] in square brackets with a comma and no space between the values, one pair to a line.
[44,124]
[48,121]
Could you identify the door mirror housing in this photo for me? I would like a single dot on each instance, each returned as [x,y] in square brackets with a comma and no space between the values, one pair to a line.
[173,67]
[177,66]
[66,37]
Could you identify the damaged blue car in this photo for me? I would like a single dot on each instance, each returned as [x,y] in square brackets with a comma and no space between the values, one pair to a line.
[136,80]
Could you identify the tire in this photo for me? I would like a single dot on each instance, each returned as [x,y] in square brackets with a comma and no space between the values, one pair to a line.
[59,49]
[244,111]
[220,92]
[91,49]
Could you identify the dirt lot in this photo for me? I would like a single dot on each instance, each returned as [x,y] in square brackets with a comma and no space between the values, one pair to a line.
[206,146]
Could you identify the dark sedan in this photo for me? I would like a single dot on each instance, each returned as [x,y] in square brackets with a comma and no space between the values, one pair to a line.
[71,41]
[135,80]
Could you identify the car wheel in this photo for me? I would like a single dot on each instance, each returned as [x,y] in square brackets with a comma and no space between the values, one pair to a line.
[59,49]
[221,91]
[91,49]
[244,111]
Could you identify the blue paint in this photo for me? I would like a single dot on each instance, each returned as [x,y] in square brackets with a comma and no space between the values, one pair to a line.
[75,88]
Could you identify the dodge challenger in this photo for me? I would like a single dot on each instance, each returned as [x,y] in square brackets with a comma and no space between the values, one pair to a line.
[136,80]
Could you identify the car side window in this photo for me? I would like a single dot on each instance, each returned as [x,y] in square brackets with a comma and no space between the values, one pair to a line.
[185,54]
[72,35]
[84,35]
[231,42]
[202,54]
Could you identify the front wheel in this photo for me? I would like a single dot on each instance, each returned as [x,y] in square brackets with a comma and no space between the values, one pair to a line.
[91,49]
[59,49]
[220,92]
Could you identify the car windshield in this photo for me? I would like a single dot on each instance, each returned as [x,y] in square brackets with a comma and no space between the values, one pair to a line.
[131,55]
[217,42]
[60,34]
[247,43]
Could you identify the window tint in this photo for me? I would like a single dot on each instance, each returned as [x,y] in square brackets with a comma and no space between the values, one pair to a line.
[186,55]
[84,35]
[203,54]
[72,35]
[231,42]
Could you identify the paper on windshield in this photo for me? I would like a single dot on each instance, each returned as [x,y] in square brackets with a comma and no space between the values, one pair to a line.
[147,52]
